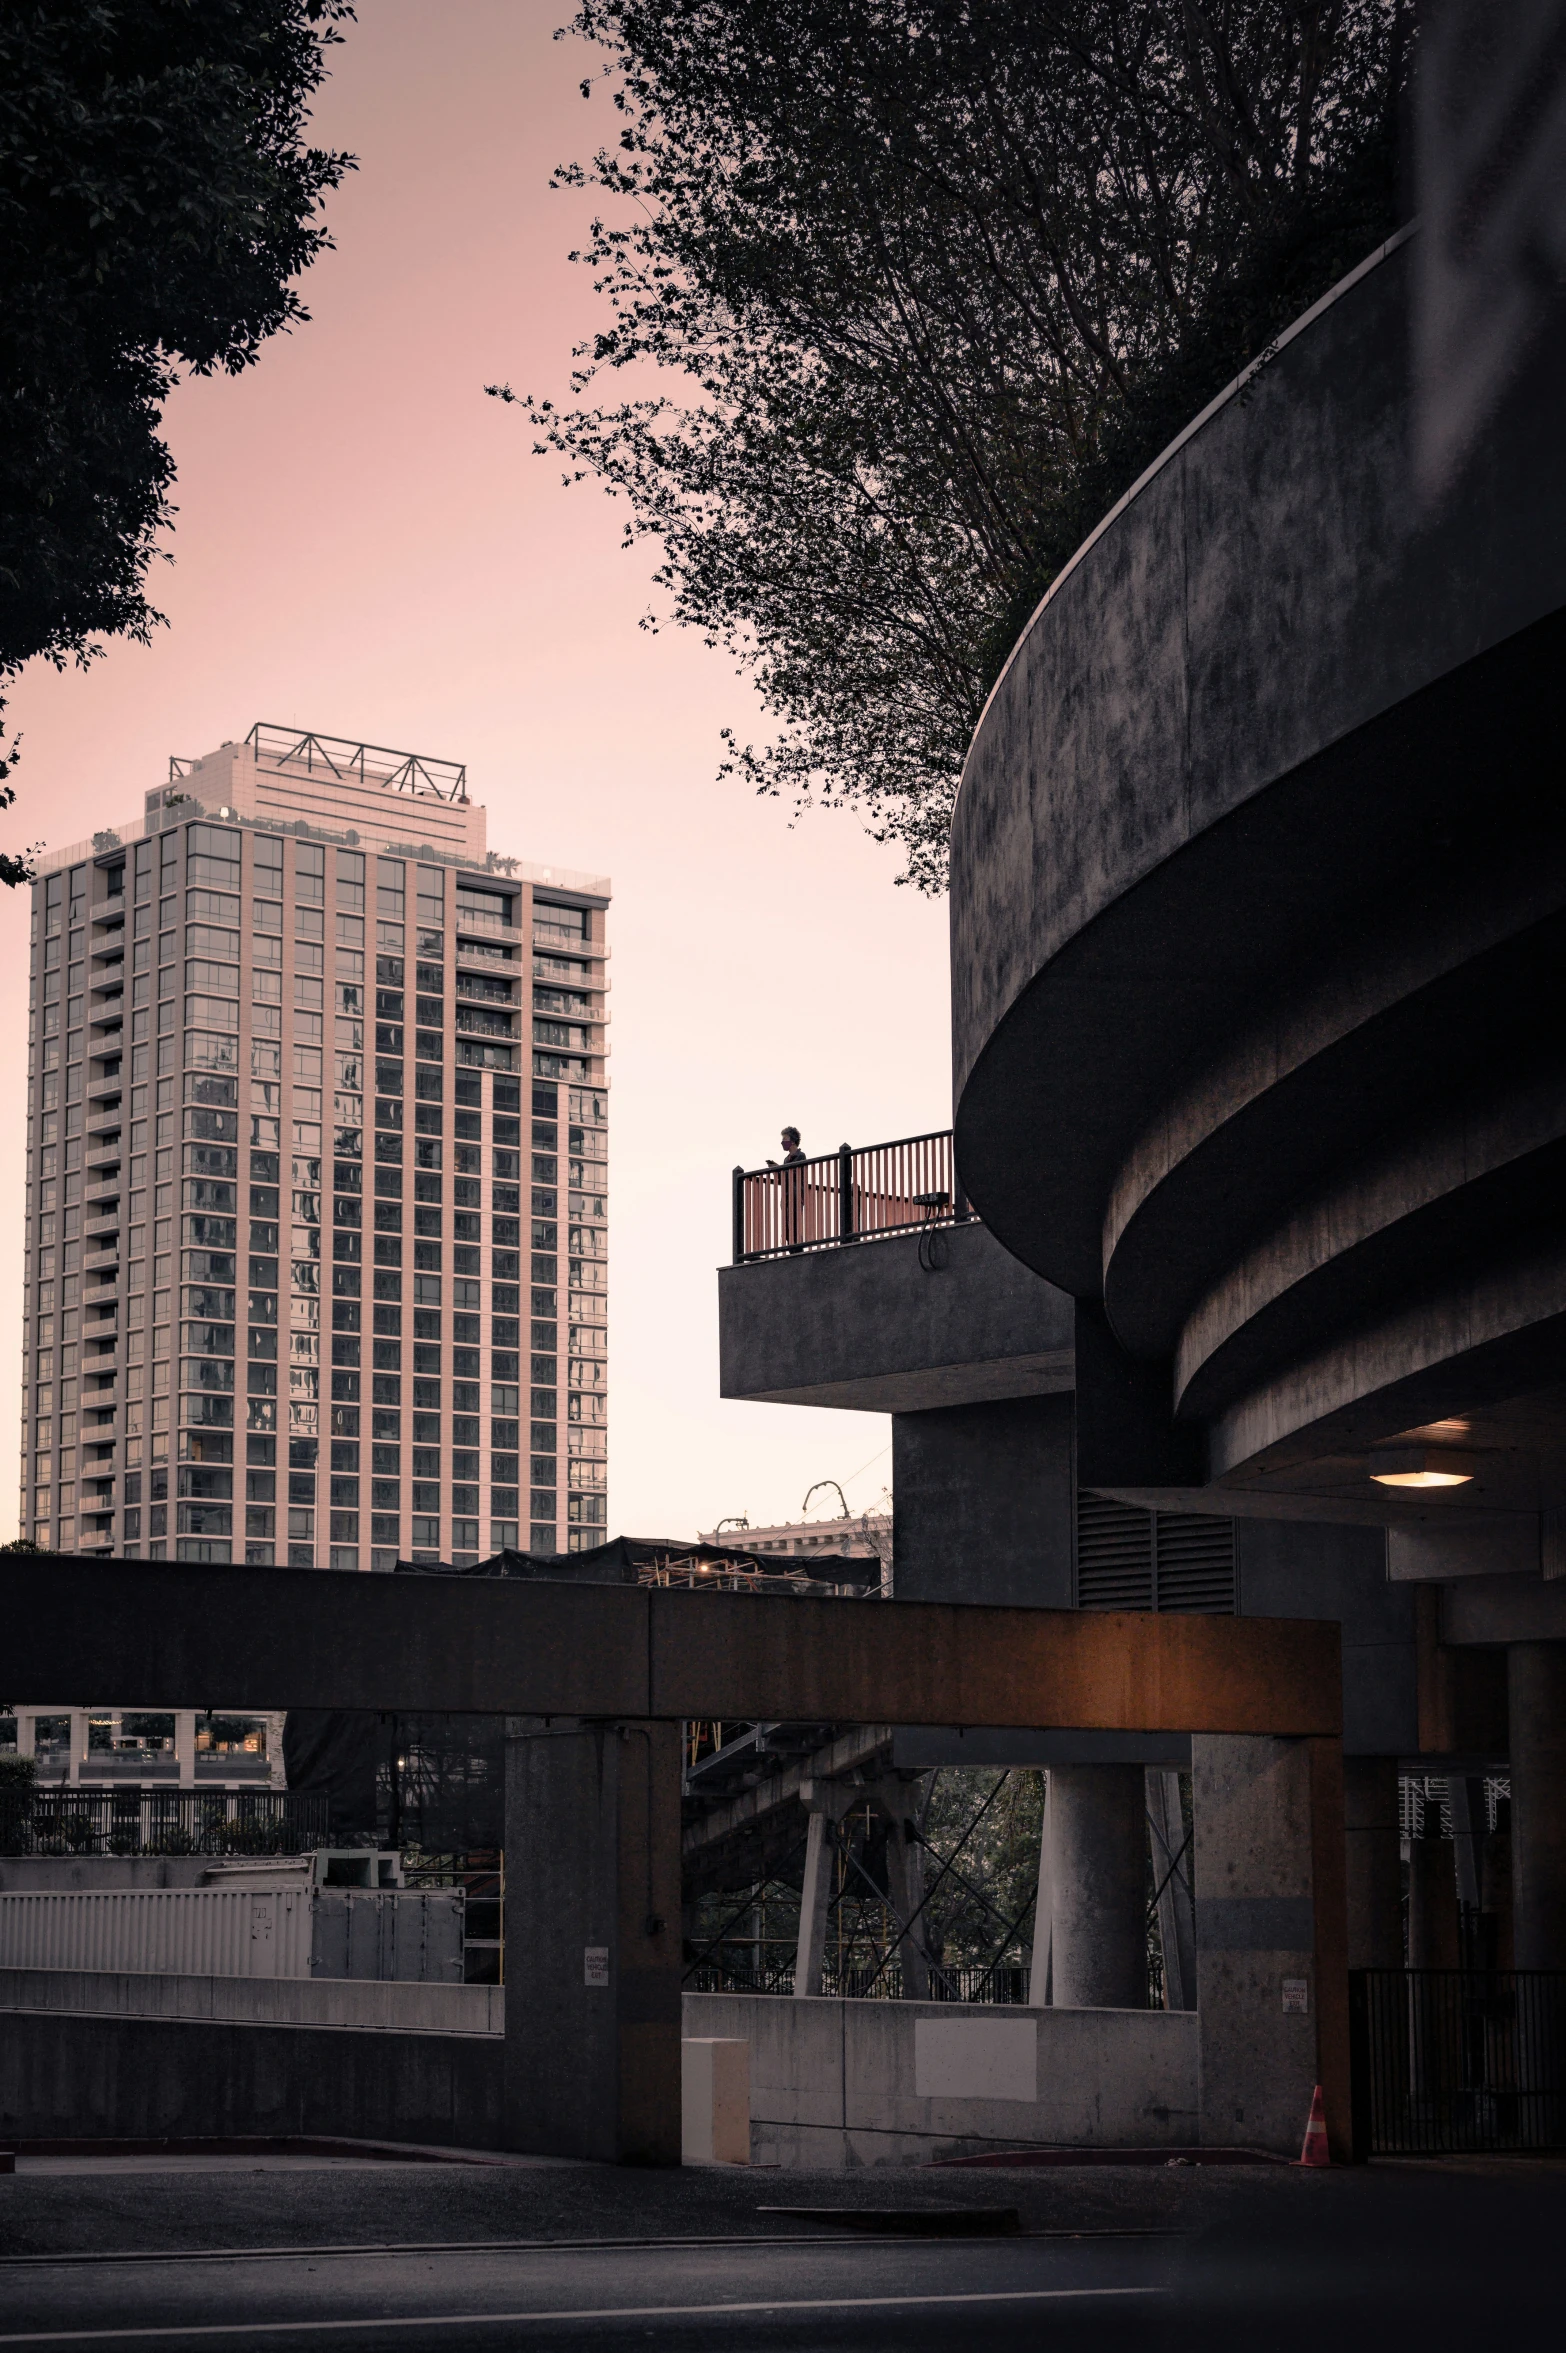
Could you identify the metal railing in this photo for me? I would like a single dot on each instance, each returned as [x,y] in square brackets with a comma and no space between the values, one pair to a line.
[292,748]
[1458,2061]
[36,1821]
[855,1194]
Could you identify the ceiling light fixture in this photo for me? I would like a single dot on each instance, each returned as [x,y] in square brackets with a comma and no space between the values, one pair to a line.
[1420,1466]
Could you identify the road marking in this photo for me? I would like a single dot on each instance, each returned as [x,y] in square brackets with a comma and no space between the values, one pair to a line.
[299,2328]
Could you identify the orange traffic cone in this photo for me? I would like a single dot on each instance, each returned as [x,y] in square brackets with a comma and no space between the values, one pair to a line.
[1315,2150]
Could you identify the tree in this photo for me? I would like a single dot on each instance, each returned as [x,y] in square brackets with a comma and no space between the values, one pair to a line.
[156,201]
[934,280]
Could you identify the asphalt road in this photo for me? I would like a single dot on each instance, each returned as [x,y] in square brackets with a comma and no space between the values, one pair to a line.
[868,2294]
[1264,2263]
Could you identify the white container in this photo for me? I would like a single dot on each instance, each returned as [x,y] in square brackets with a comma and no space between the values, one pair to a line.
[278,1931]
[171,1931]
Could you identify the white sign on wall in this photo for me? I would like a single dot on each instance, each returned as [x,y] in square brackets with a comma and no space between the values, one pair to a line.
[976,2058]
[595,1964]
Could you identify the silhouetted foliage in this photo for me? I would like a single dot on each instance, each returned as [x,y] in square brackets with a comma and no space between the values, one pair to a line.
[940,278]
[156,199]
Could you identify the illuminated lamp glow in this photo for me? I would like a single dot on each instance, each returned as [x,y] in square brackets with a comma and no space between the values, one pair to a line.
[1420,1466]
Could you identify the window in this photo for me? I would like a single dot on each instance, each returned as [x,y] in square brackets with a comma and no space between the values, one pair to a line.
[350,880]
[479,909]
[309,873]
[553,922]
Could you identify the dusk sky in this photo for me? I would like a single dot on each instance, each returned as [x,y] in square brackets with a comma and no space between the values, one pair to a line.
[366,546]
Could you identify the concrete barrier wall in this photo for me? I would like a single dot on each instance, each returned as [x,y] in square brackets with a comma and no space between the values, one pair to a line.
[68,2076]
[892,2083]
[364,2005]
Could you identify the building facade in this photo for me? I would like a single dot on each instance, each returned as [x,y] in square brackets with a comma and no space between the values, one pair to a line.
[316,1251]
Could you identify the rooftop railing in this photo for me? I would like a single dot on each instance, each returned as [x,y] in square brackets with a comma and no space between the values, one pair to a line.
[858,1193]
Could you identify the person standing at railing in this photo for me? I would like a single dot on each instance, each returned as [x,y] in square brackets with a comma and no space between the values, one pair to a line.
[792,1187]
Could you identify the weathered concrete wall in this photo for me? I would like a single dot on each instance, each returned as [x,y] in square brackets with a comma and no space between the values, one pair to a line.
[362,2005]
[985,1503]
[593,2044]
[1255,1939]
[1300,1569]
[78,2077]
[897,2083]
[948,1318]
[1248,1017]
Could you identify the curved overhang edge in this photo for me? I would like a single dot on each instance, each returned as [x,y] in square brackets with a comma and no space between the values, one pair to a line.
[1186,435]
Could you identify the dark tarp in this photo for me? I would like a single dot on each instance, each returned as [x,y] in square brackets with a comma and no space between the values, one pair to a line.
[622,1559]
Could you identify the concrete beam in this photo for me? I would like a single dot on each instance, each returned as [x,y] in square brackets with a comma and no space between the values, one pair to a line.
[183,1635]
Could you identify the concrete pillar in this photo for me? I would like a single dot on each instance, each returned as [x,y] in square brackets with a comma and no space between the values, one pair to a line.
[1373,1869]
[185,1747]
[77,1755]
[1172,1878]
[1432,1899]
[1495,1887]
[1271,1940]
[1098,1887]
[1536,1692]
[826,1802]
[592,2048]
[898,1800]
[1465,1803]
[1041,1990]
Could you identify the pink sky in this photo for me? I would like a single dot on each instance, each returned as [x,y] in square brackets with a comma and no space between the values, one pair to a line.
[366,546]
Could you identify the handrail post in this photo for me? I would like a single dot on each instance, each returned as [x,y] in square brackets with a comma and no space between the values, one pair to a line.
[845,1193]
[739,1217]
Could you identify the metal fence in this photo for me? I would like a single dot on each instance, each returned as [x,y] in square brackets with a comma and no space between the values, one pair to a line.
[1458,2061]
[850,1195]
[160,1822]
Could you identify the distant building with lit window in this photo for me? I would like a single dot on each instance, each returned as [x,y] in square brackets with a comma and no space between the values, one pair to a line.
[316,1252]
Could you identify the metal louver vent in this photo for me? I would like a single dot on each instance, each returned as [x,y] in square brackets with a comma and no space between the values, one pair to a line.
[1130,1559]
[1195,1562]
[1114,1555]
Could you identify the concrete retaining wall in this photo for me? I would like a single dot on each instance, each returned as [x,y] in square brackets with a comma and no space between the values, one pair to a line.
[69,2076]
[363,2005]
[895,2083]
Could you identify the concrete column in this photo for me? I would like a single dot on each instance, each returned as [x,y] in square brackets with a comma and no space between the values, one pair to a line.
[78,1749]
[1465,1804]
[1098,1887]
[898,1800]
[1041,1992]
[592,1924]
[1432,1899]
[826,1802]
[1495,1887]
[1272,1988]
[185,1747]
[1536,1692]
[1172,1878]
[1372,1850]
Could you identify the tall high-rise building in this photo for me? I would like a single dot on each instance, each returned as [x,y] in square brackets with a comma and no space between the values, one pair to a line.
[316,1175]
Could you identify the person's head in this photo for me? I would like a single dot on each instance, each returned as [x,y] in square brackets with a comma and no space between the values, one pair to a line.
[791,1139]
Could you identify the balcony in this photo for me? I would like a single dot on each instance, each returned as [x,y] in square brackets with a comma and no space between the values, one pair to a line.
[850,1195]
[936,1314]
